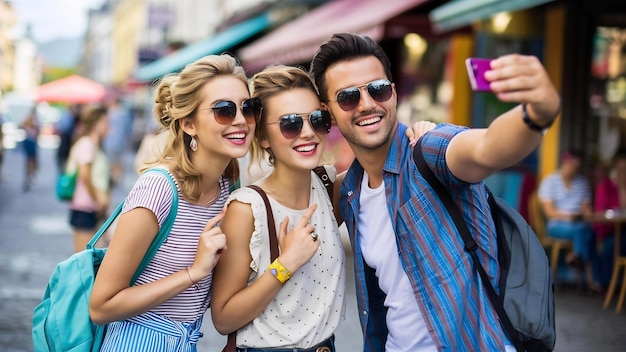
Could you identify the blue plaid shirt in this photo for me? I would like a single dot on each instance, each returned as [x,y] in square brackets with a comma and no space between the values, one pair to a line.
[449,292]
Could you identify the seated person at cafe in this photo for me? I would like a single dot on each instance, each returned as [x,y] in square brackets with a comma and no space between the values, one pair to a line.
[566,199]
[610,195]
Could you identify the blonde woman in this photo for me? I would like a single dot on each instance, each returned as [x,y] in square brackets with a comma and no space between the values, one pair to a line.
[208,112]
[298,300]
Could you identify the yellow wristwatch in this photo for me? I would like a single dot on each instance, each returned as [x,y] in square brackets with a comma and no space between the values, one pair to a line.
[279,271]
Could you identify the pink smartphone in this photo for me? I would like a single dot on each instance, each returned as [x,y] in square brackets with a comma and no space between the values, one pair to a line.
[476,69]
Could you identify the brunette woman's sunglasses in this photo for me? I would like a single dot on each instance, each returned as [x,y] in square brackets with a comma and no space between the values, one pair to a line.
[348,99]
[226,110]
[291,124]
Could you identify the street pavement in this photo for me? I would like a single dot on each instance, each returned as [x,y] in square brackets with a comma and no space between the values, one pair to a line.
[35,236]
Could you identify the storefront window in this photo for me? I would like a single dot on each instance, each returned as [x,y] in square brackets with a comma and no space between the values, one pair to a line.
[423,90]
[608,90]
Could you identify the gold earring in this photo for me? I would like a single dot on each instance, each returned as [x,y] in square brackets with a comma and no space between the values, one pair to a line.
[193,144]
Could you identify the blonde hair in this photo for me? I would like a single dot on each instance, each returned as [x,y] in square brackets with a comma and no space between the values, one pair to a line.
[271,81]
[177,96]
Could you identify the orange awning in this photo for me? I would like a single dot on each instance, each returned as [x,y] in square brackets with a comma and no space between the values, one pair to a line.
[296,41]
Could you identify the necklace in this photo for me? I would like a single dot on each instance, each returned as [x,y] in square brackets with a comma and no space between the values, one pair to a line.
[291,203]
[217,195]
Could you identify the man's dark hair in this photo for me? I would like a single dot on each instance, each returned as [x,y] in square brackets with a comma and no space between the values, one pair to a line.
[344,46]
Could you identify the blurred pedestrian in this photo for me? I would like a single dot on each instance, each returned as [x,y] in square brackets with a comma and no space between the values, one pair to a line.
[610,195]
[150,149]
[210,118]
[566,199]
[117,141]
[66,130]
[31,128]
[90,202]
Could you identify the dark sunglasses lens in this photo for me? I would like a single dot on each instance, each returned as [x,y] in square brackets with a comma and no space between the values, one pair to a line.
[348,99]
[320,121]
[225,112]
[291,125]
[380,90]
[251,109]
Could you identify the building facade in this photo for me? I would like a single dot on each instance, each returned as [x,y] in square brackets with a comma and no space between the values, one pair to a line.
[580,42]
[8,21]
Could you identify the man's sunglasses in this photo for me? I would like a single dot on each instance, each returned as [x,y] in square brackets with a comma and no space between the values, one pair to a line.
[291,124]
[348,99]
[226,110]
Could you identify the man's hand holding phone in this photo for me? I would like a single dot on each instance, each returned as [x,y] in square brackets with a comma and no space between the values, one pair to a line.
[517,78]
[523,79]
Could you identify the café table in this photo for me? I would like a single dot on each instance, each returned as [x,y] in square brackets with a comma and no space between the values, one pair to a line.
[616,217]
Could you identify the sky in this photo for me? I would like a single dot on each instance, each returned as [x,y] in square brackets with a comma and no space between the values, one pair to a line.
[53,19]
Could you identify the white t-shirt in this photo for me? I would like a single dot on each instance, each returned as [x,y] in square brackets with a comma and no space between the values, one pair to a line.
[407,328]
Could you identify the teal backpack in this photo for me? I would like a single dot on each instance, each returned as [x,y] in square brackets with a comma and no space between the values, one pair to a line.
[66,182]
[61,321]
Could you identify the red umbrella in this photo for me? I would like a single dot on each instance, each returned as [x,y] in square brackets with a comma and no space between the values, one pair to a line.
[72,89]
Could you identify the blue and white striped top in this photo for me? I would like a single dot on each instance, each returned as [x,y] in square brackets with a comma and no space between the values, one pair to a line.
[153,191]
[566,200]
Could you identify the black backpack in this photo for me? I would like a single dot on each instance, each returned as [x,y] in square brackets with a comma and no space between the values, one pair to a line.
[526,301]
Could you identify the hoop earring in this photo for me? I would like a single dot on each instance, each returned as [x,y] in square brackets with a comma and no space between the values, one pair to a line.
[193,144]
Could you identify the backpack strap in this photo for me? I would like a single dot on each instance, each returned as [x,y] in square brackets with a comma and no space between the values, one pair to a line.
[231,343]
[160,236]
[323,175]
[470,244]
[165,228]
[504,252]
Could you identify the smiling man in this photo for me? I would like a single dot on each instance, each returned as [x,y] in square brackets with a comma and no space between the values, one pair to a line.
[416,288]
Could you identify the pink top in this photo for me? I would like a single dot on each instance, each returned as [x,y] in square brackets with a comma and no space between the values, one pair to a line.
[607,197]
[85,151]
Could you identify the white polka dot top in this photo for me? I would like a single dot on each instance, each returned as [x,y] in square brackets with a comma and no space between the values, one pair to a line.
[310,306]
